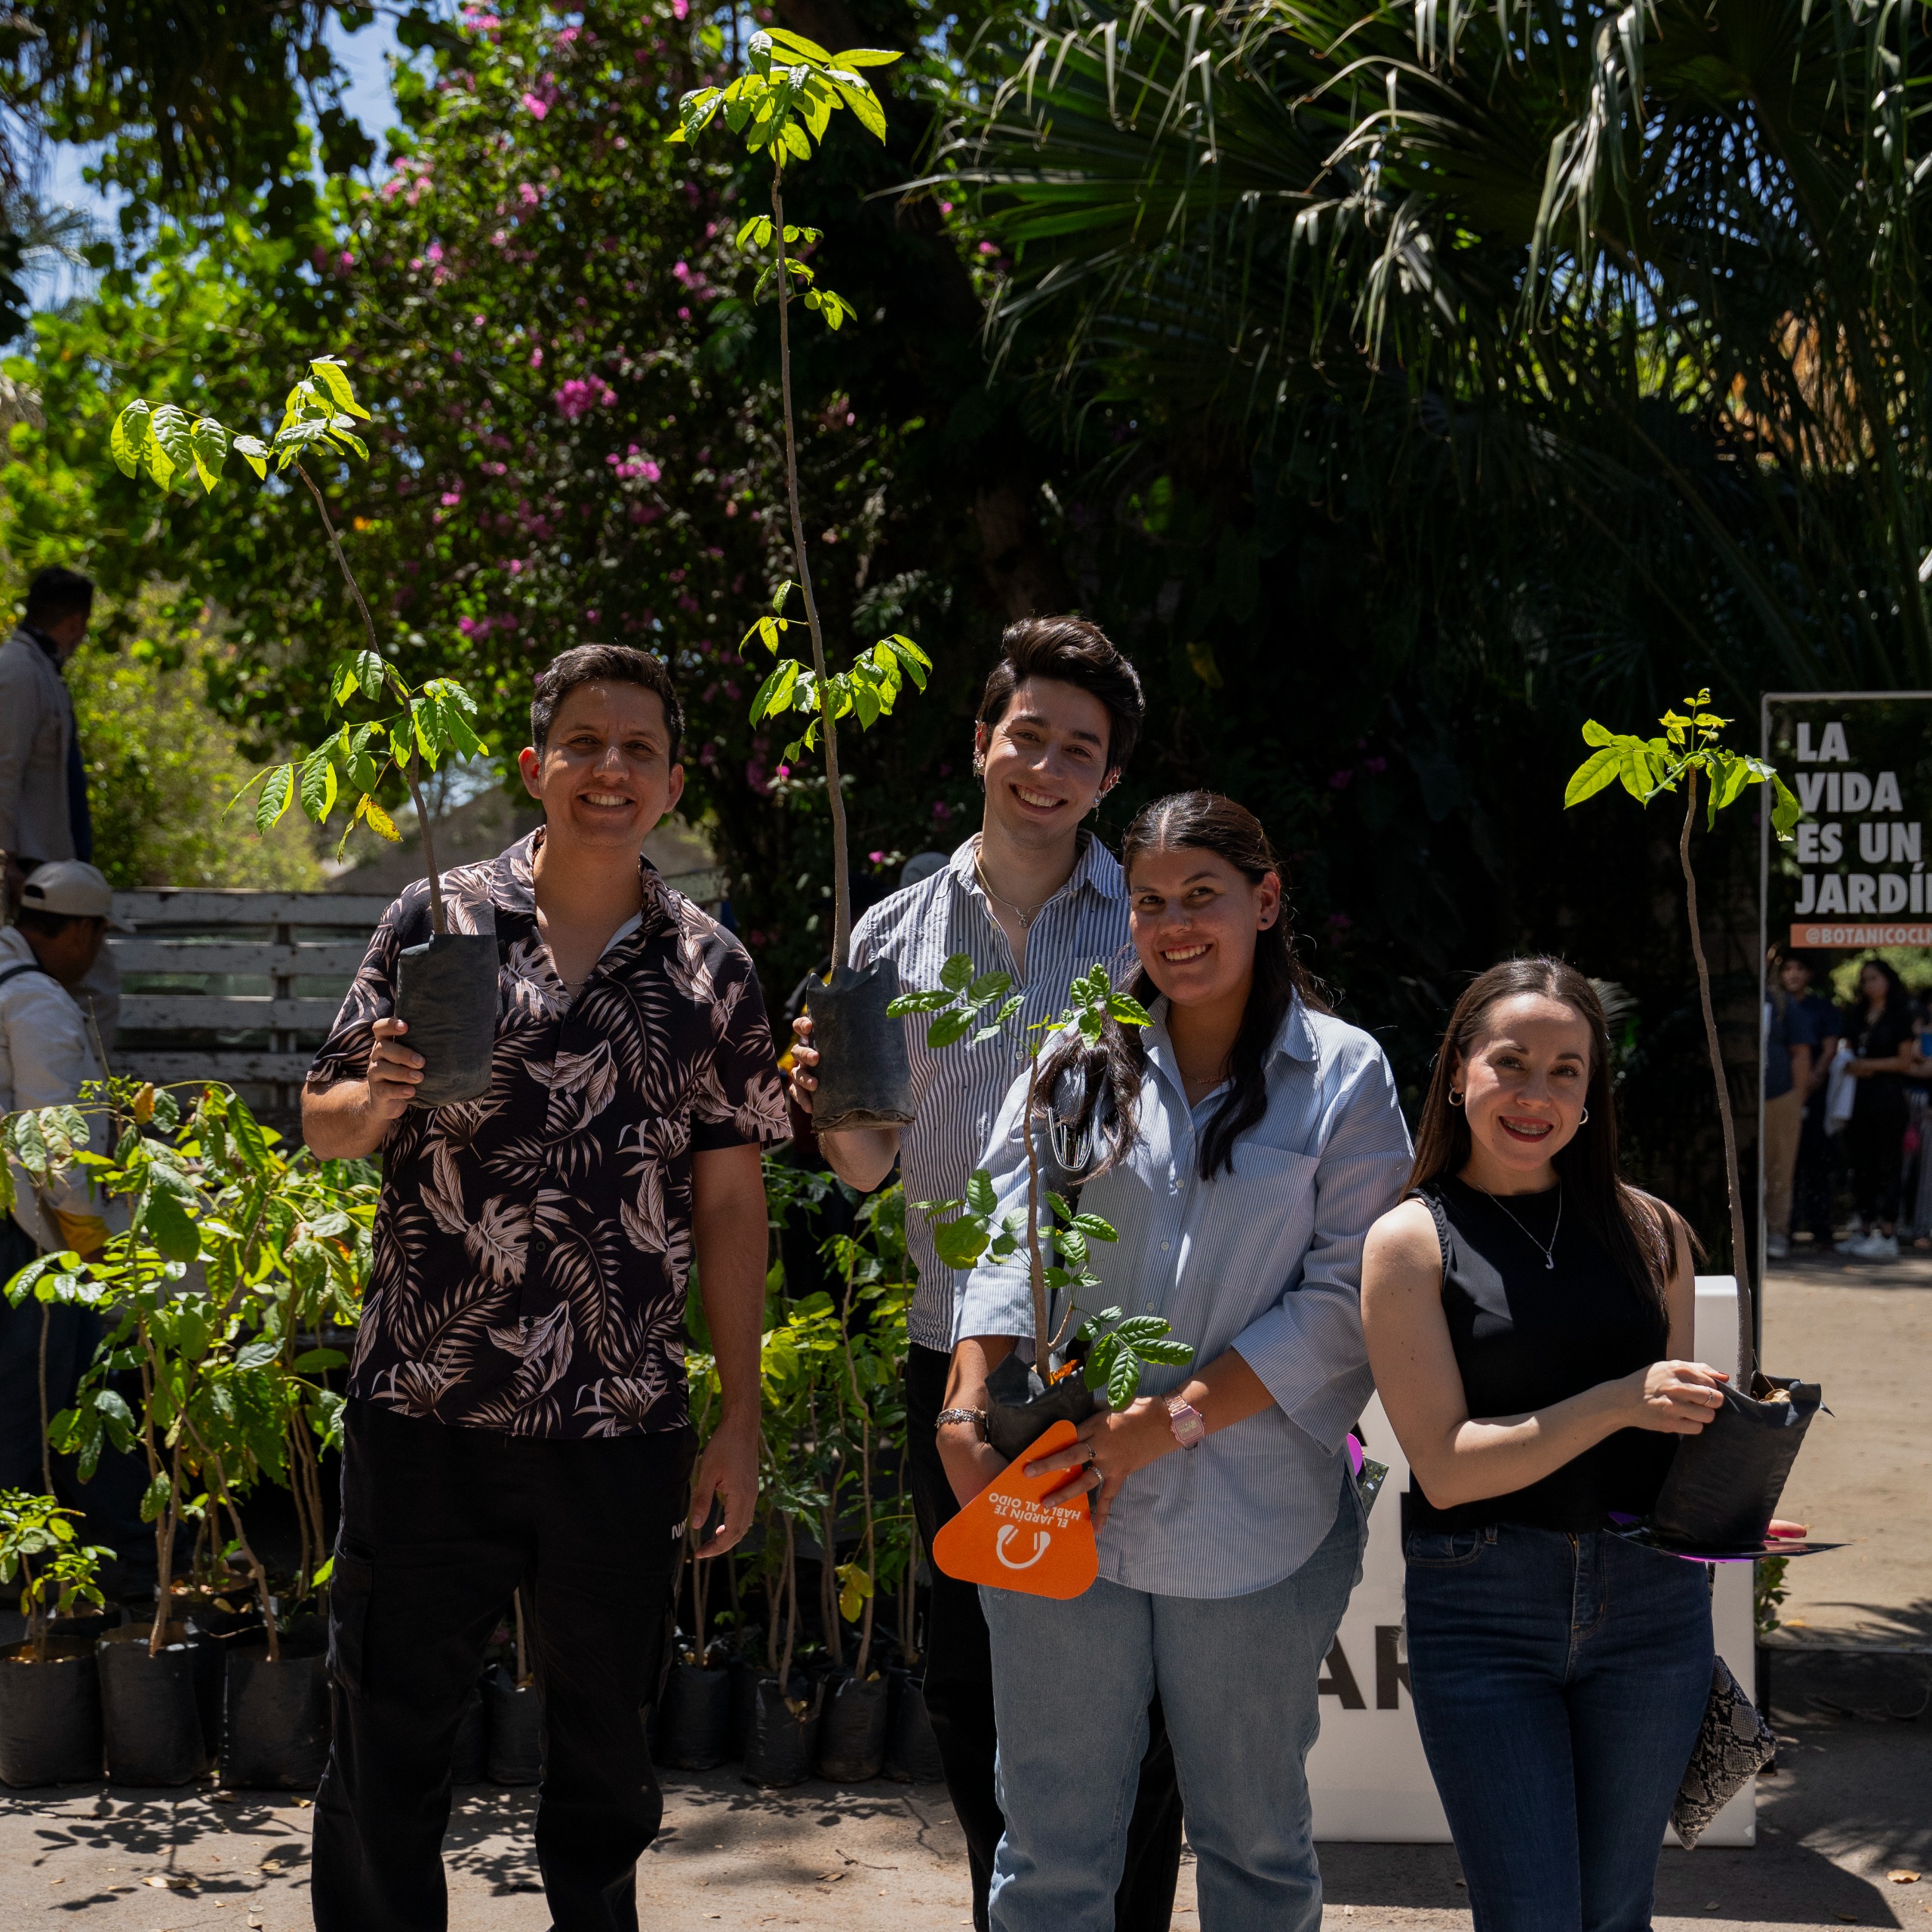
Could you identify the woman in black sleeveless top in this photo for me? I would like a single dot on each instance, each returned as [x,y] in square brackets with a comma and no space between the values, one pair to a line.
[1526,1314]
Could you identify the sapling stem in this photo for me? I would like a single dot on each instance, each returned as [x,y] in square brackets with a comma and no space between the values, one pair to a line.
[259,1575]
[522,1641]
[1036,1262]
[1747,1345]
[412,770]
[46,1447]
[791,1607]
[842,877]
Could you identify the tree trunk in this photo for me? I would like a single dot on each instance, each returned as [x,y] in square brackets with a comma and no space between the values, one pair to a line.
[1747,1349]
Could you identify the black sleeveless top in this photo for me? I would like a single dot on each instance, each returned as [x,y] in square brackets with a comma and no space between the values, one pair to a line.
[1527,1335]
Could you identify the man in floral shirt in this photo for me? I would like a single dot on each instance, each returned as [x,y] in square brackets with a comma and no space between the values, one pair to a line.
[516,1413]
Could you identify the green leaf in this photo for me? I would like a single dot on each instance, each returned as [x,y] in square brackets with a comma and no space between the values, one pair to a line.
[154,1499]
[1123,1379]
[371,673]
[312,1361]
[1128,1011]
[864,56]
[956,975]
[949,1027]
[959,1243]
[169,450]
[786,41]
[278,793]
[333,374]
[207,442]
[864,104]
[931,1000]
[319,786]
[378,820]
[981,1196]
[987,987]
[253,452]
[1592,775]
[1167,1352]
[1785,811]
[171,1227]
[128,441]
[257,1354]
[1094,1228]
[774,696]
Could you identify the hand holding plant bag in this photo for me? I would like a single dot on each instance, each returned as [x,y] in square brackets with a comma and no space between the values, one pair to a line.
[447,988]
[1724,1483]
[1026,1399]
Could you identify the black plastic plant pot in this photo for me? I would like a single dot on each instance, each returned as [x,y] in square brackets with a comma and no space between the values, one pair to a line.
[515,1725]
[911,1752]
[779,1751]
[1723,1483]
[446,996]
[865,1078]
[694,1721]
[50,1718]
[469,1755]
[1021,1408]
[852,1733]
[274,1717]
[743,1704]
[150,1720]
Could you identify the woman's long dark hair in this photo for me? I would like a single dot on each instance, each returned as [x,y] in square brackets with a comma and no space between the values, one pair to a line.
[1207,821]
[1897,1000]
[1637,1231]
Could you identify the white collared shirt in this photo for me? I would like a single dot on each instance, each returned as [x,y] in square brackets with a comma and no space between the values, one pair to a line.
[1266,1261]
[958,1090]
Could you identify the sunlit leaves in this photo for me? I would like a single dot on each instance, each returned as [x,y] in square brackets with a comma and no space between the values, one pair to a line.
[1690,742]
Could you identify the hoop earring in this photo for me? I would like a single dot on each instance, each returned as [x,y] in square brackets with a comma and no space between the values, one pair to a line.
[1455,1099]
[1584,1117]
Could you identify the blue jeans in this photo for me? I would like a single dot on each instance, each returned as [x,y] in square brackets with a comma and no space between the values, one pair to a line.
[1237,1676]
[1559,1683]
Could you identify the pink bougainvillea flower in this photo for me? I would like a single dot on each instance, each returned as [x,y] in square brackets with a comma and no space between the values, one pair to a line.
[534,107]
[536,358]
[451,498]
[529,193]
[681,9]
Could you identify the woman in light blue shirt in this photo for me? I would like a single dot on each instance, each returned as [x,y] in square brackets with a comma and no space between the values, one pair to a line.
[1257,1138]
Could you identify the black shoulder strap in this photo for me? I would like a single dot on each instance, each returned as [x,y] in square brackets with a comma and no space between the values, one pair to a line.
[14,972]
[1432,1202]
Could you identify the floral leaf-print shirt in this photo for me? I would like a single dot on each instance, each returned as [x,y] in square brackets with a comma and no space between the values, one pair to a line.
[531,1246]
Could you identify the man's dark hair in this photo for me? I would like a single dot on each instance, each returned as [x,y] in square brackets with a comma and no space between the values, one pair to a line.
[57,593]
[49,925]
[609,664]
[1072,651]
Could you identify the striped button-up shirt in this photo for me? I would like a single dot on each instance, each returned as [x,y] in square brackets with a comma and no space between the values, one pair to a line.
[958,1090]
[1267,1261]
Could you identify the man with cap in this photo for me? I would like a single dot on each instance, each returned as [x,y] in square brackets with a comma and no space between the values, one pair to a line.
[46,1055]
[44,811]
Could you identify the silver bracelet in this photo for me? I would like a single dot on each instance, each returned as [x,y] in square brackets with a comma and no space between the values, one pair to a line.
[962,1415]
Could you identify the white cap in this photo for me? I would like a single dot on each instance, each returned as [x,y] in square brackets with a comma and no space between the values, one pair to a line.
[74,887]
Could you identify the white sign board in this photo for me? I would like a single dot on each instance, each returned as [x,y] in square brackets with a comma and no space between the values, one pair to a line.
[1366,1775]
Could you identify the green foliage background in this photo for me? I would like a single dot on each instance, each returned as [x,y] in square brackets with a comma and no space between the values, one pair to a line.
[1515,462]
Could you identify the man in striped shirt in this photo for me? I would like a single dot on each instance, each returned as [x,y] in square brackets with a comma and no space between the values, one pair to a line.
[1031,894]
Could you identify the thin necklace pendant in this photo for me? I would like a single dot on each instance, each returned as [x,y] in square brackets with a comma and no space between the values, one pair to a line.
[1548,1251]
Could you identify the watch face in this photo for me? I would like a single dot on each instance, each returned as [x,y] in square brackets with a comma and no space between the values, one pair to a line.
[1188,1424]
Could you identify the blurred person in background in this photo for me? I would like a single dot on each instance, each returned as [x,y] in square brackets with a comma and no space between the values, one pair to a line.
[1878,1027]
[1790,1051]
[44,810]
[47,1055]
[1811,1192]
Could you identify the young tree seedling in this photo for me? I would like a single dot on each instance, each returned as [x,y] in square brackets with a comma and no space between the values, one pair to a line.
[432,721]
[1689,750]
[781,105]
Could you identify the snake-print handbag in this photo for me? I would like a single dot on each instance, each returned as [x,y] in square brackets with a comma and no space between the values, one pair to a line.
[1734,1745]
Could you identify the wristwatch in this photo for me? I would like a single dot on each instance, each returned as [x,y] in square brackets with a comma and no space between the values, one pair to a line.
[978,1416]
[1187,1422]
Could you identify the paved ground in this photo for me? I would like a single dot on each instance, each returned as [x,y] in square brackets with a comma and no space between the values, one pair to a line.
[1851,1802]
[1848,1805]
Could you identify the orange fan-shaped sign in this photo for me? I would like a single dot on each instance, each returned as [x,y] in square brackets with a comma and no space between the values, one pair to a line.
[1015,1537]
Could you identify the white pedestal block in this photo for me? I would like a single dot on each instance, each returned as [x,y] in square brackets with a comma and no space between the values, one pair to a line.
[1366,1775]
